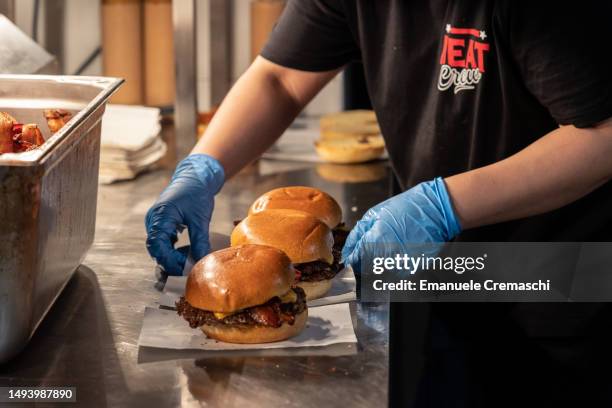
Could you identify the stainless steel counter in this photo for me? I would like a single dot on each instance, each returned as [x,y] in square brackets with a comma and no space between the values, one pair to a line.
[89,339]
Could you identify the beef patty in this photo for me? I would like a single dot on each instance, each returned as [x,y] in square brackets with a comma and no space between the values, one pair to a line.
[273,313]
[318,270]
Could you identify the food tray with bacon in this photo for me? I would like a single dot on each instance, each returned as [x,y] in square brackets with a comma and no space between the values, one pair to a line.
[18,137]
[49,155]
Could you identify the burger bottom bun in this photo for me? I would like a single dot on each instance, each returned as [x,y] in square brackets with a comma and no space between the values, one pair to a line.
[349,132]
[352,173]
[256,334]
[350,152]
[315,290]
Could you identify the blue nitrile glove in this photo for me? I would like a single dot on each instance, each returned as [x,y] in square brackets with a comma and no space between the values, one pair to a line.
[421,215]
[188,201]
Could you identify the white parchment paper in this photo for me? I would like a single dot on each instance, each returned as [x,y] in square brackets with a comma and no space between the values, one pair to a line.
[326,325]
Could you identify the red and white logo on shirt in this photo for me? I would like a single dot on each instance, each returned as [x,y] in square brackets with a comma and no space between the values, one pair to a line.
[462,62]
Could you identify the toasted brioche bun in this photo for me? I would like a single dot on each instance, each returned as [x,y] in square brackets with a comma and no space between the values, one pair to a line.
[303,237]
[239,277]
[352,173]
[256,334]
[315,290]
[307,199]
[359,121]
[350,151]
[346,133]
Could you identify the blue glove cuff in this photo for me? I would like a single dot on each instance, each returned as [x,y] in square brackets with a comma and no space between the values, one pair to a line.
[207,169]
[453,228]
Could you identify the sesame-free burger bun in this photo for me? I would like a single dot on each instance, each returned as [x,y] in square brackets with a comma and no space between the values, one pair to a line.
[302,236]
[239,277]
[307,199]
[256,334]
[349,124]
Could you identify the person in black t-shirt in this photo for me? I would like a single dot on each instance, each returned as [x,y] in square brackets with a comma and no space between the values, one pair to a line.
[497,111]
[496,116]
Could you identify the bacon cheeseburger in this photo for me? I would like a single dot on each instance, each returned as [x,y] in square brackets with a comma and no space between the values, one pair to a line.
[304,238]
[243,294]
[310,200]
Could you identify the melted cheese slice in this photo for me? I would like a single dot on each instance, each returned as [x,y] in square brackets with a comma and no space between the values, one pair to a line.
[289,297]
[220,315]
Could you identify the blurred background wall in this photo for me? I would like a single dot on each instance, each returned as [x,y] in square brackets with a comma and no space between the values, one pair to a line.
[82,36]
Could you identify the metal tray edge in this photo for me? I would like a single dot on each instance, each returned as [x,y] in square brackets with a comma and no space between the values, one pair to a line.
[107,85]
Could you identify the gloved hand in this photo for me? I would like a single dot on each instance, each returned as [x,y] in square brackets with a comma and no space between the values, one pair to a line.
[421,215]
[188,201]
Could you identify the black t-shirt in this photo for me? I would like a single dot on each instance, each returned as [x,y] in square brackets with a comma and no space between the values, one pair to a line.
[457,85]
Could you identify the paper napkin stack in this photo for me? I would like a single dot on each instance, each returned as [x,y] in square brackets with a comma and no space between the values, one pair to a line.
[131,142]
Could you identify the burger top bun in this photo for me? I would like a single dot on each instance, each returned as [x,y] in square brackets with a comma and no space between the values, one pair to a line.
[358,121]
[303,237]
[239,277]
[307,199]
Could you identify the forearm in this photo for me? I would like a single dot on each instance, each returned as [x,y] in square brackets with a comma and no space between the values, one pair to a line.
[256,111]
[556,170]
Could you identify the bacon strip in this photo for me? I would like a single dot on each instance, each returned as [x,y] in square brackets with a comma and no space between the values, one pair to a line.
[266,315]
[31,134]
[17,137]
[26,137]
[56,118]
[6,132]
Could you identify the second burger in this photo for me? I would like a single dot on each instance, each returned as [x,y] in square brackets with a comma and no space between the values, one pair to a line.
[310,200]
[303,237]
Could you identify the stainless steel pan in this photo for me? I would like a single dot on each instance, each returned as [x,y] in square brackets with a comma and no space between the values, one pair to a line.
[47,198]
